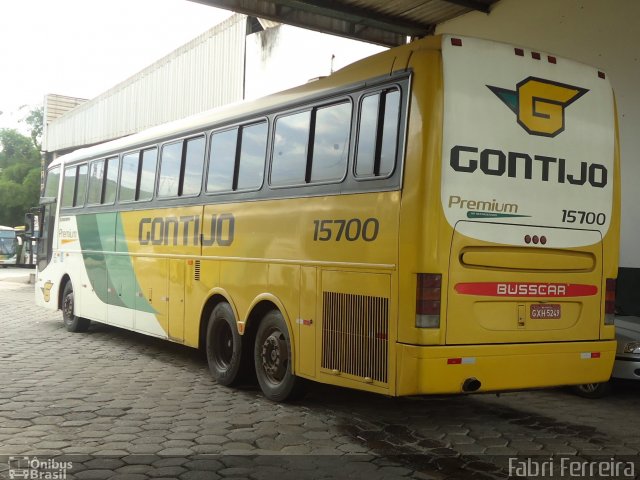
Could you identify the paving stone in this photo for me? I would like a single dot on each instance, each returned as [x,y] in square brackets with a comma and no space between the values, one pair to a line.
[180,452]
[199,475]
[132,469]
[129,476]
[211,439]
[114,392]
[94,474]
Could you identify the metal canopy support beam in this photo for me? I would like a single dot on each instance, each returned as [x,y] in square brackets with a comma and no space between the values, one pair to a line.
[330,17]
[472,4]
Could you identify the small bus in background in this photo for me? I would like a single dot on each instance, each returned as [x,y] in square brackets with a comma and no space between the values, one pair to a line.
[442,217]
[26,253]
[8,246]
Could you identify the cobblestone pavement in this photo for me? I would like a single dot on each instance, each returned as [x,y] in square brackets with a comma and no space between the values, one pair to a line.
[122,405]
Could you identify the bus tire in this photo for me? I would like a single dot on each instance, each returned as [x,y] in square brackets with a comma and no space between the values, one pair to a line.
[592,390]
[224,346]
[72,322]
[272,357]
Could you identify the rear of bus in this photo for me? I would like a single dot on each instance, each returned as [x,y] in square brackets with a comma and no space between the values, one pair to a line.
[515,250]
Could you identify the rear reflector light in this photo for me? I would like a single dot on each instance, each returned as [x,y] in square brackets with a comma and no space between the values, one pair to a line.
[610,302]
[551,59]
[519,52]
[535,55]
[428,293]
[456,42]
[461,361]
[589,355]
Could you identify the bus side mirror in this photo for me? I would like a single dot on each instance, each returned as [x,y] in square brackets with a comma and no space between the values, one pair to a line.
[28,224]
[32,222]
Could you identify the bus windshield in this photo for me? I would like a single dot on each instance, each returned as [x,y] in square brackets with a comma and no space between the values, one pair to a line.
[8,243]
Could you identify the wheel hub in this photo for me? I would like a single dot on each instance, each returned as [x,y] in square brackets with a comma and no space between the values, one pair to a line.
[274,356]
[67,307]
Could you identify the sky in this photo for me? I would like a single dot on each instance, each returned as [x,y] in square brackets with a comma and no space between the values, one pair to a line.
[81,48]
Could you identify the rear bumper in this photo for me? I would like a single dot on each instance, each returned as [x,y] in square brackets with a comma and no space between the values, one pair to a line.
[444,369]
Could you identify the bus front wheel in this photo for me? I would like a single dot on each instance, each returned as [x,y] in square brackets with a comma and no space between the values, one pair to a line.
[272,356]
[224,346]
[72,322]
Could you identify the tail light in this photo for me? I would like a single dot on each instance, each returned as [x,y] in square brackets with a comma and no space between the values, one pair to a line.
[610,301]
[428,293]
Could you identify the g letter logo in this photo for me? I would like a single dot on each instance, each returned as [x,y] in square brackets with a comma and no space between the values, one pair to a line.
[539,104]
[46,291]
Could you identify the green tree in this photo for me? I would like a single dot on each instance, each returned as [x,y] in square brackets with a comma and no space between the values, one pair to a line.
[35,120]
[19,176]
[15,148]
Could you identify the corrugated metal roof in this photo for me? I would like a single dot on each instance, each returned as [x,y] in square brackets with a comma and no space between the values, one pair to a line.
[205,73]
[377,21]
[57,105]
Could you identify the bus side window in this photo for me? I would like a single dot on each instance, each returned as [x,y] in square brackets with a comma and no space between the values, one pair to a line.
[81,185]
[96,174]
[74,187]
[68,186]
[147,174]
[222,160]
[53,180]
[170,160]
[181,166]
[331,143]
[289,162]
[237,158]
[193,164]
[110,180]
[129,176]
[378,134]
[253,150]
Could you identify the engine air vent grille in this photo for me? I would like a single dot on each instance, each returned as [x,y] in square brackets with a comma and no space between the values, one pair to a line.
[355,332]
[196,270]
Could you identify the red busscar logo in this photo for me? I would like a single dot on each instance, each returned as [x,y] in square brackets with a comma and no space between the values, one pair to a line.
[516,289]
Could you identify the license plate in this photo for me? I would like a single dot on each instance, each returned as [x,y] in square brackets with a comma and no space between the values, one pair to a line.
[545,310]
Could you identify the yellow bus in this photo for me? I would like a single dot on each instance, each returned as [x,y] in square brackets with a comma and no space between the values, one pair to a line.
[442,217]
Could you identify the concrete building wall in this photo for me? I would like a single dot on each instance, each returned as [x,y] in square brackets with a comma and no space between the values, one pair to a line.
[203,74]
[283,56]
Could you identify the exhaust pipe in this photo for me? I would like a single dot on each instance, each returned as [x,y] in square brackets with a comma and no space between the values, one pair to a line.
[471,385]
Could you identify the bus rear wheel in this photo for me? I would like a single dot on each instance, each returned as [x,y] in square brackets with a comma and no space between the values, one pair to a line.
[592,390]
[72,322]
[272,357]
[224,346]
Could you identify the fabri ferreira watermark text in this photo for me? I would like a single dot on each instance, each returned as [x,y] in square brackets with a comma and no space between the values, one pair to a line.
[570,468]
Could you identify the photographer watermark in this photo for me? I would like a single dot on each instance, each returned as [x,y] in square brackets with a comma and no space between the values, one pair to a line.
[570,467]
[23,467]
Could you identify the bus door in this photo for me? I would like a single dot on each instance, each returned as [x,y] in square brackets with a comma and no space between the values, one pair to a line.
[46,222]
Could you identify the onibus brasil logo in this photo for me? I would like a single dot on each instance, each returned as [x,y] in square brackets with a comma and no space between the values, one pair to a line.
[539,104]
